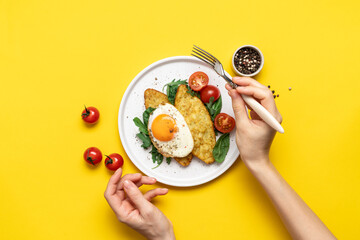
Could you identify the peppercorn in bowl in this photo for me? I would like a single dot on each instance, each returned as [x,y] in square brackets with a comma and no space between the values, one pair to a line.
[247,61]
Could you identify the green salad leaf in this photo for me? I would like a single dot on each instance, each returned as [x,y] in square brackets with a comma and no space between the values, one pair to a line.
[141,125]
[145,139]
[214,108]
[192,92]
[143,135]
[146,115]
[156,156]
[221,148]
[171,89]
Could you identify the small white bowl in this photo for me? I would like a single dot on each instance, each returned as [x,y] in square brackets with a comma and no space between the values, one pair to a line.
[254,73]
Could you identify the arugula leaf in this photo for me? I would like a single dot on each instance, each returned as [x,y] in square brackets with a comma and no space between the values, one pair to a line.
[171,89]
[214,108]
[221,148]
[156,156]
[145,139]
[217,106]
[143,135]
[142,127]
[192,92]
[168,160]
[146,115]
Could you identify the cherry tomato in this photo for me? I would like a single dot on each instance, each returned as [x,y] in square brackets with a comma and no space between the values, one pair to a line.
[208,92]
[198,80]
[224,123]
[114,161]
[92,155]
[90,115]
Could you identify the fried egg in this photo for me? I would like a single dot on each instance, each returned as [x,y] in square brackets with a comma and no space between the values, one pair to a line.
[169,132]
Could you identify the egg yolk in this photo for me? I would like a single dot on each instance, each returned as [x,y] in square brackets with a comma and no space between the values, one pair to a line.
[164,127]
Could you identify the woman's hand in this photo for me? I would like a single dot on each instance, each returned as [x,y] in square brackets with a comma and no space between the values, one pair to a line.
[134,209]
[253,136]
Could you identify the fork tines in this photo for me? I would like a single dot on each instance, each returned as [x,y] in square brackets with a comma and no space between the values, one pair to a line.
[203,55]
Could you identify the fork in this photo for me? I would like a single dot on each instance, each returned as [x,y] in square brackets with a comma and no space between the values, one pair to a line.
[257,107]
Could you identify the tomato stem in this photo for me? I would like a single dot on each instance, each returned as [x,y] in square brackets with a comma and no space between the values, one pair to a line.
[90,160]
[86,113]
[109,161]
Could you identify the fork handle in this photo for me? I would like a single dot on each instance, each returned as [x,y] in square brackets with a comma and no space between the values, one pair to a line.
[232,84]
[258,108]
[263,113]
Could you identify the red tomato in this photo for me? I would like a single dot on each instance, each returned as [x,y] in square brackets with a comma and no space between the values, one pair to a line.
[208,92]
[90,115]
[114,161]
[92,155]
[224,123]
[198,80]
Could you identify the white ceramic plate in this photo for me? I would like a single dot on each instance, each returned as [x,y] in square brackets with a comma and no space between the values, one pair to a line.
[132,105]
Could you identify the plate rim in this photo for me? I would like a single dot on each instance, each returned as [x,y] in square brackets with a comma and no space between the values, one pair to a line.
[146,171]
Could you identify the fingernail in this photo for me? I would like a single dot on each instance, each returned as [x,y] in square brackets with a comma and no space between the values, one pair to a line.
[127,184]
[118,170]
[153,179]
[165,189]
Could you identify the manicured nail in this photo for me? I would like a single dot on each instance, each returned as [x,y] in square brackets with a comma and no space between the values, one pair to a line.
[127,184]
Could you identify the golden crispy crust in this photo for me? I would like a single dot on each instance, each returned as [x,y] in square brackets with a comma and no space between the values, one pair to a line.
[184,161]
[154,98]
[199,121]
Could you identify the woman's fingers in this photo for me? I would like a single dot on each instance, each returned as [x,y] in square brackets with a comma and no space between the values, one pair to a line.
[258,93]
[265,98]
[136,197]
[149,195]
[137,179]
[246,81]
[134,177]
[113,182]
[238,105]
[146,180]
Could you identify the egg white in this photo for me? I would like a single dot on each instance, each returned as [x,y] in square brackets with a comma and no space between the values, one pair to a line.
[182,144]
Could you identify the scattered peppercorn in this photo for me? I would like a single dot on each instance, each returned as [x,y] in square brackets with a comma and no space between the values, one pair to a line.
[247,60]
[273,92]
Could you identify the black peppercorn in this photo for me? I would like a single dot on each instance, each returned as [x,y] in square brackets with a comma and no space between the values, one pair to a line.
[247,60]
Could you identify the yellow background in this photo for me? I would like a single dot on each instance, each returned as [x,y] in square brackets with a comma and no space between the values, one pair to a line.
[57,55]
